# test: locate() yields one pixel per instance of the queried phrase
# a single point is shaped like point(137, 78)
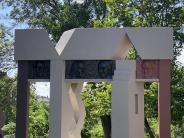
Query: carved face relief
point(39, 69)
point(90, 69)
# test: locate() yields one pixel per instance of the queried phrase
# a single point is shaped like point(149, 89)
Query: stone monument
point(83, 55)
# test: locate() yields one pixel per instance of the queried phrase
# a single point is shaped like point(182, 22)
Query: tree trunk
point(106, 124)
point(148, 129)
point(2, 121)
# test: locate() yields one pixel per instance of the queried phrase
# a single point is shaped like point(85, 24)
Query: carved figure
point(77, 69)
point(90, 69)
point(106, 69)
point(79, 113)
point(39, 70)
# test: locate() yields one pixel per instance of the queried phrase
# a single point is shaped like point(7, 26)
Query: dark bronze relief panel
point(39, 69)
point(90, 69)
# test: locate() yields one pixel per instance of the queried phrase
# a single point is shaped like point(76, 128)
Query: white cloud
point(80, 1)
point(43, 88)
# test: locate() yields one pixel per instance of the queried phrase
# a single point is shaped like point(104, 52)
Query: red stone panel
point(147, 69)
point(164, 97)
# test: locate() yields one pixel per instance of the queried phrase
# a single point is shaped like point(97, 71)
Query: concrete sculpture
point(78, 111)
point(95, 55)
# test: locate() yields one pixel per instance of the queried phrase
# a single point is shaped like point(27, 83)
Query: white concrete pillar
point(127, 97)
point(57, 87)
point(136, 109)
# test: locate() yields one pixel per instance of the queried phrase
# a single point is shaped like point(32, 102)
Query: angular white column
point(120, 111)
point(126, 123)
point(136, 109)
point(57, 88)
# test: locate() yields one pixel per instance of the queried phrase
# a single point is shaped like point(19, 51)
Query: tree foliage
point(38, 117)
point(52, 15)
point(97, 100)
point(38, 111)
point(8, 97)
point(6, 49)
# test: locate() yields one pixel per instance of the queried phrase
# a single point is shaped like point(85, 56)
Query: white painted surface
point(152, 42)
point(125, 123)
point(90, 43)
point(63, 41)
point(136, 121)
point(57, 88)
point(120, 115)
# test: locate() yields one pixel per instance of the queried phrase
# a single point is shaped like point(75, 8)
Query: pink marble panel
point(147, 69)
point(164, 96)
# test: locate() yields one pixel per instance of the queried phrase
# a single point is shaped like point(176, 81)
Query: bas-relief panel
point(147, 69)
point(90, 69)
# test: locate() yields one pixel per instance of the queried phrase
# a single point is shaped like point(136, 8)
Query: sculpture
point(94, 55)
point(79, 113)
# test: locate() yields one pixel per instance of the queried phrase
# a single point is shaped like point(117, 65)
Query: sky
point(42, 88)
point(181, 57)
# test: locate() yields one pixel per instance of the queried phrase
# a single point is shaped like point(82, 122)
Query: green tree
point(57, 17)
point(38, 109)
point(52, 15)
point(38, 116)
point(8, 97)
point(6, 49)
point(97, 100)
point(7, 85)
